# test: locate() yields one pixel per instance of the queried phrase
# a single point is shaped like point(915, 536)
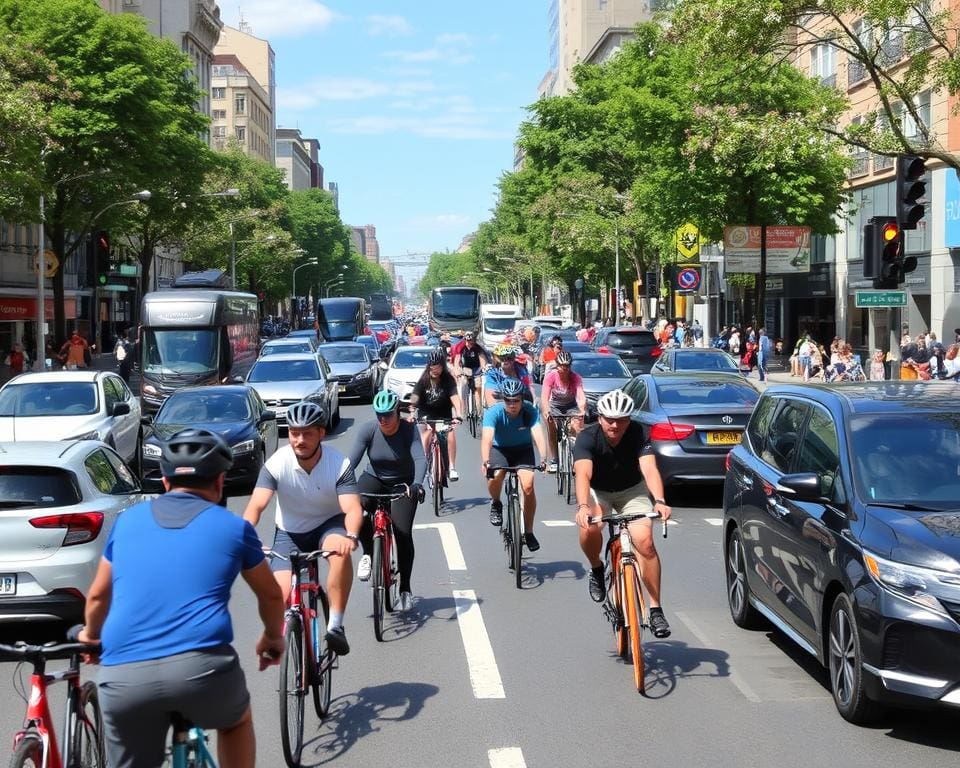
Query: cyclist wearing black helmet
point(159, 605)
point(318, 507)
point(435, 395)
point(469, 355)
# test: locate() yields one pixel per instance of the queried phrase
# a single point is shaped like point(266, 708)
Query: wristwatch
point(354, 538)
point(660, 501)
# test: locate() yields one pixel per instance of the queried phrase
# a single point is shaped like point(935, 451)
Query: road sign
point(51, 263)
point(881, 299)
point(688, 242)
point(688, 279)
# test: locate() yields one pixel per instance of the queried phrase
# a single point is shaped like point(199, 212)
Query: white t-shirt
point(306, 501)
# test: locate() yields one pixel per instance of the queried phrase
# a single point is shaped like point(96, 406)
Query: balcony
point(861, 166)
point(829, 81)
point(856, 73)
point(882, 163)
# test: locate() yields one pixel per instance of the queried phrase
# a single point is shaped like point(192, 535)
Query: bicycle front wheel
point(292, 689)
point(516, 541)
point(437, 475)
point(378, 587)
point(634, 605)
point(29, 752)
point(83, 744)
point(620, 626)
point(322, 665)
point(568, 469)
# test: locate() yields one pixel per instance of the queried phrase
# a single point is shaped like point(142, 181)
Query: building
point(358, 239)
point(240, 109)
point(316, 170)
point(293, 158)
point(465, 242)
point(334, 190)
point(371, 246)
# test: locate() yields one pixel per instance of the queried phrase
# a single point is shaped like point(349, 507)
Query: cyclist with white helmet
point(510, 430)
point(505, 366)
point(318, 507)
point(562, 394)
point(616, 470)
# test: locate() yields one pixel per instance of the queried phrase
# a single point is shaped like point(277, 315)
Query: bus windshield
point(456, 303)
point(183, 350)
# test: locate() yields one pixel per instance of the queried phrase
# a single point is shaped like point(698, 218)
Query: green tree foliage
point(316, 227)
point(450, 269)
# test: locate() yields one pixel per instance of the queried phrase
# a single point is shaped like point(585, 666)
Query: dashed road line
point(506, 757)
point(484, 675)
point(717, 521)
point(450, 543)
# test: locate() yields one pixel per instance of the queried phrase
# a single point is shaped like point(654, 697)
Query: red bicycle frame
point(38, 716)
point(383, 529)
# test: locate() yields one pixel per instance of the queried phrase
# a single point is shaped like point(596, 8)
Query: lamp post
point(330, 283)
point(233, 254)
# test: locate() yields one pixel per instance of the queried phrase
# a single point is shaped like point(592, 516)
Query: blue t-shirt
point(511, 433)
point(495, 378)
point(174, 561)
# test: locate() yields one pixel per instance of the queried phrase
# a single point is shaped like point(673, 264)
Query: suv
point(637, 347)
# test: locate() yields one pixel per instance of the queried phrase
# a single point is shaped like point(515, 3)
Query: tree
point(316, 227)
point(449, 269)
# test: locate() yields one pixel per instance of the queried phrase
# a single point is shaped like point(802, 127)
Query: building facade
point(293, 158)
point(240, 109)
point(371, 245)
point(259, 62)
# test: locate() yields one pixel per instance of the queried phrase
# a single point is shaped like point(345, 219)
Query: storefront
point(802, 303)
point(18, 316)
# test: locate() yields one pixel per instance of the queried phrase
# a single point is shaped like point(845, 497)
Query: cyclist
point(318, 507)
point(395, 457)
point(505, 367)
point(470, 355)
point(510, 430)
point(159, 605)
point(549, 353)
point(561, 394)
point(616, 469)
point(435, 396)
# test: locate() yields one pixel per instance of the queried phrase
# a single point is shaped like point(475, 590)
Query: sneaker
point(496, 513)
point(364, 567)
point(658, 623)
point(406, 601)
point(531, 541)
point(453, 474)
point(552, 466)
point(337, 641)
point(598, 590)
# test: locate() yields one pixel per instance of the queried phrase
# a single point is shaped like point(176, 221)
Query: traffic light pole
point(895, 318)
point(40, 363)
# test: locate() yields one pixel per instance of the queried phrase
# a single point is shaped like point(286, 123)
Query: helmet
point(511, 388)
point(615, 404)
point(564, 358)
point(437, 357)
point(505, 350)
point(305, 414)
point(385, 402)
point(194, 452)
point(469, 336)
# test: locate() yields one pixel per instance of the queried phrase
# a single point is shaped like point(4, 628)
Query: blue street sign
point(951, 210)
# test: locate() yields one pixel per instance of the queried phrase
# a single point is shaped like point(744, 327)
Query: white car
point(406, 366)
point(72, 405)
point(287, 345)
point(58, 502)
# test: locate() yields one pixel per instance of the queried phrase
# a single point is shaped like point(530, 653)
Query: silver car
point(282, 380)
point(58, 502)
point(287, 346)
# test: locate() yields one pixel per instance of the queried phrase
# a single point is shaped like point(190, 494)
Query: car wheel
point(738, 591)
point(845, 662)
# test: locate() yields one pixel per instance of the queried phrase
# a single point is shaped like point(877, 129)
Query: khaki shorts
point(632, 501)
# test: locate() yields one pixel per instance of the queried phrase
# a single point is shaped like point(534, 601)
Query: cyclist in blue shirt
point(159, 607)
point(510, 430)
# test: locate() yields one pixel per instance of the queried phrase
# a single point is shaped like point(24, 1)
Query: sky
point(415, 103)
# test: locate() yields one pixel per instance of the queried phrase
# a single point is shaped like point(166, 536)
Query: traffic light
point(261, 296)
point(911, 188)
point(885, 249)
point(650, 284)
point(101, 256)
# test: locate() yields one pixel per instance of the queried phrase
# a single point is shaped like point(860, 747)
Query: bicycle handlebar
point(517, 468)
point(315, 555)
point(389, 496)
point(24, 651)
point(615, 517)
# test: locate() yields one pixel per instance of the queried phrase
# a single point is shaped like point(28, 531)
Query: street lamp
point(327, 285)
point(233, 254)
point(338, 284)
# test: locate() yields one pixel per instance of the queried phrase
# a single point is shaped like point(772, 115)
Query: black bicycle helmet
point(305, 414)
point(437, 357)
point(194, 452)
point(564, 358)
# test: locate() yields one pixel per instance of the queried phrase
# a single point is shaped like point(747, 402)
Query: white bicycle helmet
point(615, 404)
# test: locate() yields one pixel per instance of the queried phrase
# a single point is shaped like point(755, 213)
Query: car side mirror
point(382, 365)
point(801, 486)
point(267, 416)
point(120, 409)
point(147, 420)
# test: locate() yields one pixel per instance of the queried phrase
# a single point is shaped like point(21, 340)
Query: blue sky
point(415, 104)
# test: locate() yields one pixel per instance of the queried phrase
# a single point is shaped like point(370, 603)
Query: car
point(72, 405)
point(550, 322)
point(235, 412)
point(841, 527)
point(600, 374)
point(288, 345)
point(59, 500)
point(638, 347)
point(406, 366)
point(303, 333)
point(373, 346)
point(352, 367)
point(683, 359)
point(692, 421)
point(573, 347)
point(282, 380)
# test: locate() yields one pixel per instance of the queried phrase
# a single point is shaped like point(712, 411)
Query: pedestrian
point(697, 333)
point(805, 355)
point(956, 335)
point(17, 360)
point(124, 354)
point(764, 350)
point(877, 370)
point(75, 352)
point(734, 342)
point(951, 362)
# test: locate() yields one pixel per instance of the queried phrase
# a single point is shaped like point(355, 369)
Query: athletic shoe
point(496, 513)
point(531, 541)
point(453, 474)
point(337, 641)
point(552, 466)
point(658, 623)
point(406, 601)
point(598, 590)
point(363, 568)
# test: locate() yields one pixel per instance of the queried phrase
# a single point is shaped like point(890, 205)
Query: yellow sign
point(51, 263)
point(688, 242)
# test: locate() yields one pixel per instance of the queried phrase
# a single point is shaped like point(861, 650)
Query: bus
point(454, 308)
point(195, 335)
point(341, 318)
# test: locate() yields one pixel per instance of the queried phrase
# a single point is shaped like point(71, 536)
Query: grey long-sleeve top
point(395, 459)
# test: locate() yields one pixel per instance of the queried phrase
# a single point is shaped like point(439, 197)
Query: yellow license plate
point(724, 438)
point(342, 389)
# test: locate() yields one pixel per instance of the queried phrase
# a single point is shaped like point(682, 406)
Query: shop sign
point(13, 308)
point(788, 249)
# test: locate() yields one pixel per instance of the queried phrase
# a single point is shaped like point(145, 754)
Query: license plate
point(342, 388)
point(724, 438)
point(8, 583)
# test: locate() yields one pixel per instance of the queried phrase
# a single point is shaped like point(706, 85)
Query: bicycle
point(472, 414)
point(306, 661)
point(188, 745)
point(565, 454)
point(438, 459)
point(35, 744)
point(623, 605)
point(512, 529)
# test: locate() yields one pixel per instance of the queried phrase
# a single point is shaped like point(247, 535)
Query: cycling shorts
point(512, 457)
point(634, 500)
point(564, 409)
point(285, 542)
point(206, 687)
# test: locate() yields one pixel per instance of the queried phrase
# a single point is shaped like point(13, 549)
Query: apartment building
point(371, 244)
point(293, 158)
point(240, 109)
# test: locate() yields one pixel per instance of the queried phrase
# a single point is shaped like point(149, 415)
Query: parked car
point(683, 359)
point(236, 413)
point(58, 502)
point(282, 380)
point(638, 347)
point(404, 368)
point(692, 420)
point(288, 345)
point(72, 405)
point(600, 374)
point(842, 528)
point(355, 371)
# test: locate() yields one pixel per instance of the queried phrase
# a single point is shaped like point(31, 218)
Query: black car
point(681, 359)
point(638, 347)
point(692, 421)
point(234, 412)
point(353, 368)
point(842, 528)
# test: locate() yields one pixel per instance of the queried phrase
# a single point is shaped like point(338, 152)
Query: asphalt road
point(482, 675)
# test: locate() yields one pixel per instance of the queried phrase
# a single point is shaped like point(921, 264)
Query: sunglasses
point(512, 400)
point(620, 420)
point(386, 416)
point(558, 343)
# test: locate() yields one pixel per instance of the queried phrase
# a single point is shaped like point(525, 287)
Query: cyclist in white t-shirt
point(318, 507)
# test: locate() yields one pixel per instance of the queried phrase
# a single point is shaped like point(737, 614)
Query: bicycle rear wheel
point(378, 586)
point(322, 666)
point(634, 605)
point(568, 469)
point(83, 744)
point(292, 689)
point(29, 752)
point(516, 540)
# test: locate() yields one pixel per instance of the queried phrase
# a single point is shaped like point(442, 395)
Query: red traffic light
point(261, 295)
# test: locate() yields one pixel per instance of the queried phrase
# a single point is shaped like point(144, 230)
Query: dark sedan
point(600, 374)
point(353, 368)
point(638, 347)
point(842, 528)
point(682, 359)
point(236, 413)
point(692, 420)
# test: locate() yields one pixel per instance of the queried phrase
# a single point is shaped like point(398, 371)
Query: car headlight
point(924, 586)
point(363, 374)
point(152, 451)
point(92, 435)
point(150, 390)
point(245, 447)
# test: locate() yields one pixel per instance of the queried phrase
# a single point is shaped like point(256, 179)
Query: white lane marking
point(558, 523)
point(484, 675)
point(450, 543)
point(506, 757)
point(718, 521)
point(734, 676)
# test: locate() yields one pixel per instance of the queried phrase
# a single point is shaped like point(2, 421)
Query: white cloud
point(394, 26)
point(447, 48)
point(280, 18)
point(322, 89)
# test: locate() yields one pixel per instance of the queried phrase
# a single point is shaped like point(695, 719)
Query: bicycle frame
point(186, 738)
point(512, 530)
point(306, 615)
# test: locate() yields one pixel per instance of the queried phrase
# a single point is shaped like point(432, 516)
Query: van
point(340, 318)
point(496, 322)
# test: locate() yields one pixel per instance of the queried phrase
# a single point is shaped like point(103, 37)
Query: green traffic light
point(102, 279)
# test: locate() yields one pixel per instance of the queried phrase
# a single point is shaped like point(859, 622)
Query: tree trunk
point(58, 240)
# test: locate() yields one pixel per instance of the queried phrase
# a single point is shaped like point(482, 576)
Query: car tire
point(845, 664)
point(335, 419)
point(744, 615)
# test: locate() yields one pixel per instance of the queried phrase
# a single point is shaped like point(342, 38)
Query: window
point(219, 93)
point(757, 428)
point(820, 451)
point(783, 437)
point(241, 133)
point(101, 472)
point(240, 104)
point(111, 394)
point(126, 482)
point(823, 63)
point(219, 114)
point(911, 128)
point(219, 131)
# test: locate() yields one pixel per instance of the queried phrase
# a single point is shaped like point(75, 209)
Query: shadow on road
point(670, 660)
point(452, 506)
point(345, 423)
point(359, 714)
point(535, 574)
point(401, 625)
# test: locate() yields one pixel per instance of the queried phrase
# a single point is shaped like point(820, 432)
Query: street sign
point(51, 263)
point(688, 279)
point(688, 242)
point(116, 288)
point(788, 249)
point(865, 299)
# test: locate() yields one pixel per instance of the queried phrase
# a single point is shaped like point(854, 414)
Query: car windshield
point(49, 398)
point(412, 358)
point(498, 324)
point(284, 370)
point(25, 487)
point(344, 354)
point(704, 361)
point(601, 368)
point(907, 457)
point(705, 393)
point(285, 349)
point(191, 407)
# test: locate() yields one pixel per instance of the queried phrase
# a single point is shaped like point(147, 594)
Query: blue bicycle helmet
point(385, 402)
point(511, 388)
point(194, 452)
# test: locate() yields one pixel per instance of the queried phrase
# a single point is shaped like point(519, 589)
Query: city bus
point(454, 308)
